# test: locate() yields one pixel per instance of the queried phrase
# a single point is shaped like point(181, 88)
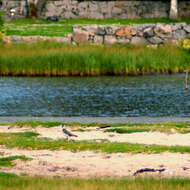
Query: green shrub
point(1, 21)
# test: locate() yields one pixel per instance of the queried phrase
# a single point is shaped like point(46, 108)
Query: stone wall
point(144, 34)
point(100, 9)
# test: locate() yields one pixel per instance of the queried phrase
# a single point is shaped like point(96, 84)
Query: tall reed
point(55, 59)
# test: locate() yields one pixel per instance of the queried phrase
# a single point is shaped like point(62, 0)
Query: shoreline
point(104, 120)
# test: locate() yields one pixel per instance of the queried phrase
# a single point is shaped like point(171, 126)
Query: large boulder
point(110, 40)
point(98, 39)
point(123, 41)
point(124, 31)
point(91, 28)
point(80, 36)
point(163, 31)
point(111, 30)
point(100, 31)
point(179, 34)
point(187, 28)
point(148, 32)
point(178, 26)
point(139, 41)
point(155, 40)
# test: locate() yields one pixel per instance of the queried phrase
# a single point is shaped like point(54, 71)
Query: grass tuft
point(7, 161)
point(123, 130)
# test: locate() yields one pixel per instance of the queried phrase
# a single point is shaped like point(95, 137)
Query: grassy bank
point(42, 27)
point(11, 181)
point(55, 59)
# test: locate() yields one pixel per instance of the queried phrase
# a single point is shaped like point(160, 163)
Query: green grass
point(30, 140)
point(7, 161)
point(178, 127)
point(56, 59)
point(49, 124)
point(11, 181)
point(42, 27)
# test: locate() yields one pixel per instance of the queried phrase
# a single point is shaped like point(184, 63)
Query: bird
point(67, 133)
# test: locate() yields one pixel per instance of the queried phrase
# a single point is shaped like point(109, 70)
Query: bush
point(1, 21)
point(2, 31)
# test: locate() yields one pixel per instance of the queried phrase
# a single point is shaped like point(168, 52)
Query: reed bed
point(55, 59)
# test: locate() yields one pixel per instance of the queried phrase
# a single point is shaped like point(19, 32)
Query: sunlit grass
point(42, 27)
point(11, 181)
point(56, 59)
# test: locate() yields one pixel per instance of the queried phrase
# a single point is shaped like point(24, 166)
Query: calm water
point(94, 96)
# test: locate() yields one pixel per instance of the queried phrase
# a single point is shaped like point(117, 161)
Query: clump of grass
point(55, 59)
point(123, 130)
point(7, 161)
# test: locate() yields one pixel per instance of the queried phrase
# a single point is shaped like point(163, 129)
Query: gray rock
point(98, 39)
point(110, 30)
point(100, 31)
point(163, 31)
point(143, 26)
point(155, 40)
point(187, 28)
point(91, 29)
point(110, 40)
point(137, 32)
point(123, 41)
point(188, 36)
point(139, 41)
point(179, 34)
point(80, 36)
point(96, 14)
point(148, 32)
point(116, 11)
point(178, 26)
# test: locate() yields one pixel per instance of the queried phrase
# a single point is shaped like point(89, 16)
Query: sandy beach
point(86, 164)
